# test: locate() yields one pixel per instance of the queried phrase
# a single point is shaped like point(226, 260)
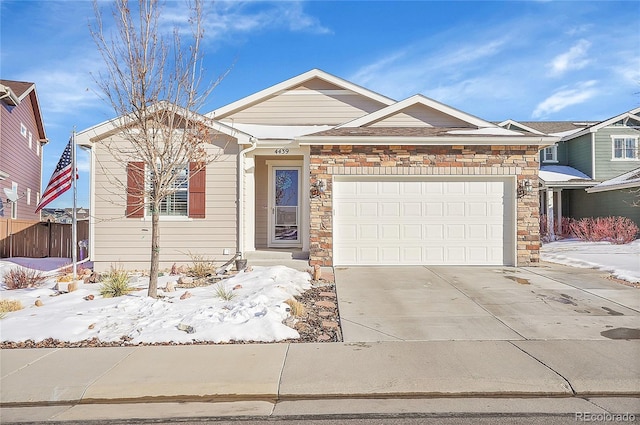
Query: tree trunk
point(155, 253)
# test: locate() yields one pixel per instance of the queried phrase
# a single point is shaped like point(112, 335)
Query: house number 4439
point(281, 151)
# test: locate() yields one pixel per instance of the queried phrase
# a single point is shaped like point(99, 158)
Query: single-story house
point(324, 167)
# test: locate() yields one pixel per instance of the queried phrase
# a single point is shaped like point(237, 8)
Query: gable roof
point(14, 92)
point(556, 128)
point(632, 114)
point(422, 101)
point(274, 90)
point(100, 131)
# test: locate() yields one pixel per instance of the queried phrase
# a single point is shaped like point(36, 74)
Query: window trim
point(147, 214)
point(554, 154)
point(624, 137)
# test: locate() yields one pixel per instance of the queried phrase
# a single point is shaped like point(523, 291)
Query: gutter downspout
point(240, 200)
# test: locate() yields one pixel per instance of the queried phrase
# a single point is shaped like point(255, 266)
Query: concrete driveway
point(429, 303)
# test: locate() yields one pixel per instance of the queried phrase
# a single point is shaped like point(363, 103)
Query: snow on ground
point(622, 261)
point(254, 314)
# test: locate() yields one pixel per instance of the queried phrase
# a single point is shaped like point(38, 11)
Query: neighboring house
point(64, 215)
point(22, 138)
point(322, 166)
point(592, 171)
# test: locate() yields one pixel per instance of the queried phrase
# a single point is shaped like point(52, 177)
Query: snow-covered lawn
point(255, 313)
point(622, 261)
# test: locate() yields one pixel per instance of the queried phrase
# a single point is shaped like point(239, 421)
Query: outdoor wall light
point(317, 188)
point(524, 188)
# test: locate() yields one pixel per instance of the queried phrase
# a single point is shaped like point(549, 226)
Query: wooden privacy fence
point(38, 239)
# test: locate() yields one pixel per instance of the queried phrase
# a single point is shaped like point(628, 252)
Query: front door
point(284, 196)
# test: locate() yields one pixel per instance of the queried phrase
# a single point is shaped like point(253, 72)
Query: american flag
point(60, 180)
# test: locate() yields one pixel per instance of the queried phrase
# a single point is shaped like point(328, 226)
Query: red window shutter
point(197, 190)
point(135, 189)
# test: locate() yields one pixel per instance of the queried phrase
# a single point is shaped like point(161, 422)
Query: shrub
point(617, 230)
point(21, 278)
point(297, 308)
point(562, 229)
point(201, 266)
point(115, 283)
point(7, 306)
point(223, 293)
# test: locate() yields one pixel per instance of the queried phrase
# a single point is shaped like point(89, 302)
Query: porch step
point(301, 265)
point(276, 254)
point(296, 259)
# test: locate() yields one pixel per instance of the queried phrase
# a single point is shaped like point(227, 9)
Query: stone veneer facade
point(329, 161)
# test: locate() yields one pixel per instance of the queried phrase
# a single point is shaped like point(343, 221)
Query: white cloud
point(565, 97)
point(231, 18)
point(574, 58)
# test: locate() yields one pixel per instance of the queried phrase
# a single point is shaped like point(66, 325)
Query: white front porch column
point(559, 210)
point(550, 212)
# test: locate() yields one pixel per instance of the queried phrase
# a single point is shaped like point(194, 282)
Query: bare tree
point(154, 82)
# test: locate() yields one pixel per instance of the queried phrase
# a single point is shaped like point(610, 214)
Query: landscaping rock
point(185, 280)
point(171, 287)
point(39, 303)
point(328, 294)
point(317, 272)
point(187, 328)
point(237, 287)
point(329, 325)
point(89, 297)
point(325, 304)
point(186, 295)
point(92, 278)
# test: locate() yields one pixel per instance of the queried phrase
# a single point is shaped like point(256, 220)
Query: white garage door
point(404, 220)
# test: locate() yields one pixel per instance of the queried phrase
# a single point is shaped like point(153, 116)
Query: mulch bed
point(320, 323)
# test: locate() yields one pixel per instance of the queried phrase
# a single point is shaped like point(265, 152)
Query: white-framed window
point(625, 148)
point(176, 204)
point(550, 154)
point(23, 130)
point(30, 140)
point(37, 198)
point(28, 196)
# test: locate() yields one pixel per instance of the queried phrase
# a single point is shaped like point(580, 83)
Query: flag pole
point(74, 222)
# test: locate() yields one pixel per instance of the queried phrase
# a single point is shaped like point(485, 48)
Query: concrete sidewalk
point(60, 384)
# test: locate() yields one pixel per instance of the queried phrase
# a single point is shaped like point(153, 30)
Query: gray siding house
point(593, 171)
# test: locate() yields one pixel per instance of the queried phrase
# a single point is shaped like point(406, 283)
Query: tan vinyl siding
point(127, 241)
point(606, 166)
point(324, 105)
point(417, 116)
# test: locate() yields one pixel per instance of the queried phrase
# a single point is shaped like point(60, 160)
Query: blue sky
point(542, 60)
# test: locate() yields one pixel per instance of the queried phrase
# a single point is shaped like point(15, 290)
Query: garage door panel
point(390, 209)
point(390, 232)
point(367, 188)
point(367, 209)
point(477, 231)
point(455, 208)
point(433, 209)
point(455, 231)
point(422, 221)
point(411, 209)
point(477, 209)
point(434, 232)
point(412, 232)
point(368, 232)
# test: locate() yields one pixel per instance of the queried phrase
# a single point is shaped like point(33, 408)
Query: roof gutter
point(607, 188)
point(7, 94)
point(435, 141)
